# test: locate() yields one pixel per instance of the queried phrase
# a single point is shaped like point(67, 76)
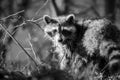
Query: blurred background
point(30, 36)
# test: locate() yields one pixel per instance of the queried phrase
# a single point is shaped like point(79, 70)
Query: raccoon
point(96, 40)
point(62, 31)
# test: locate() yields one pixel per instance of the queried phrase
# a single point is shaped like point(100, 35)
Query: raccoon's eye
point(66, 32)
point(54, 31)
point(49, 33)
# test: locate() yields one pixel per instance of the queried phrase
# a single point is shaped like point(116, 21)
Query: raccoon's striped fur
point(87, 40)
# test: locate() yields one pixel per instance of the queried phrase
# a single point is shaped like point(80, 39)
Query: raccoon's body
point(88, 40)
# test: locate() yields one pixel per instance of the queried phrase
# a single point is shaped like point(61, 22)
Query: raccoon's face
point(60, 29)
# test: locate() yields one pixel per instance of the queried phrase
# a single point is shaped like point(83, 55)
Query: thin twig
point(31, 46)
point(105, 67)
point(27, 49)
point(37, 20)
point(95, 11)
point(40, 9)
point(12, 15)
point(34, 22)
point(83, 11)
point(4, 38)
point(94, 5)
point(3, 27)
point(25, 66)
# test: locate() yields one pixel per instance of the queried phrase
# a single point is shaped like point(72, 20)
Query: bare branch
point(3, 27)
point(31, 46)
point(40, 9)
point(27, 49)
point(95, 12)
point(84, 11)
point(94, 7)
point(12, 15)
point(35, 22)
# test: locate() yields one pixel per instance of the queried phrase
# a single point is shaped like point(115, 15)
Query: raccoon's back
point(102, 38)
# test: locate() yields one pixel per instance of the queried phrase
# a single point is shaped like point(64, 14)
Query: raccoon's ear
point(48, 19)
point(70, 18)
